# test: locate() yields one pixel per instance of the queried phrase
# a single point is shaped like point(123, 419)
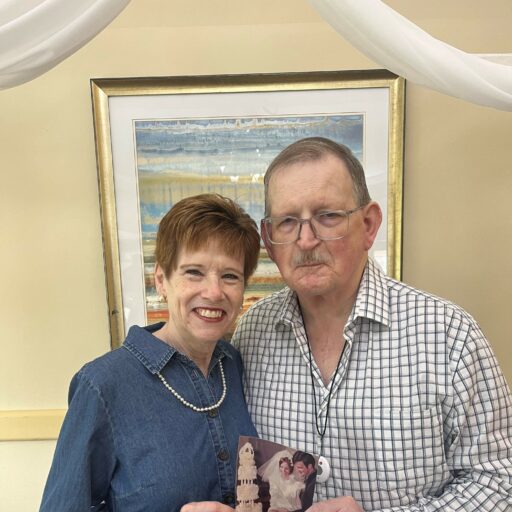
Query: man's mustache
point(308, 258)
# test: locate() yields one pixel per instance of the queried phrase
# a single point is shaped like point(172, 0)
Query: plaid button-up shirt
point(420, 417)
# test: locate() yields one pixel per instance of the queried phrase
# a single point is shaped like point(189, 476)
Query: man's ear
point(372, 221)
point(266, 241)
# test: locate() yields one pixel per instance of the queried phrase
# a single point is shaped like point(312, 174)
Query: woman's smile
point(210, 313)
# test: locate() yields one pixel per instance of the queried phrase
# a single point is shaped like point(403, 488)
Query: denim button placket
point(229, 499)
point(223, 454)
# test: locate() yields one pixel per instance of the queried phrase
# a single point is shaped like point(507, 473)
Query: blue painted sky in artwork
point(228, 142)
point(229, 147)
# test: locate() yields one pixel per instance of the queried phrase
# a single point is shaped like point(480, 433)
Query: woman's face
point(284, 468)
point(204, 295)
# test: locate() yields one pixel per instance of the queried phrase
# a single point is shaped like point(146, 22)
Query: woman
point(284, 488)
point(155, 424)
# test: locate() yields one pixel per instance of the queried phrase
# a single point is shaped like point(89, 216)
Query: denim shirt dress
point(127, 444)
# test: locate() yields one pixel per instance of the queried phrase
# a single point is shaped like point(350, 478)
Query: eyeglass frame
point(348, 213)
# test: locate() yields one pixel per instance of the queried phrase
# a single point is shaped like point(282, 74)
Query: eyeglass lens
point(326, 226)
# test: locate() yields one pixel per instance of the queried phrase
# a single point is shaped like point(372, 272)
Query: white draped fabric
point(395, 43)
point(35, 35)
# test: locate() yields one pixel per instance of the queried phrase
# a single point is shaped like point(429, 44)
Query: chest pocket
point(410, 457)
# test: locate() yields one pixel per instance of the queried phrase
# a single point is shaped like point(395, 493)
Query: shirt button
point(228, 499)
point(213, 413)
point(223, 454)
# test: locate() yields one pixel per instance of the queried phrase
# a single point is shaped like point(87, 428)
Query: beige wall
point(458, 178)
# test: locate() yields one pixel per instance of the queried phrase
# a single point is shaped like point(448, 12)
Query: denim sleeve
point(84, 459)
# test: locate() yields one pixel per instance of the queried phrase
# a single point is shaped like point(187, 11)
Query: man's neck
point(324, 309)
point(325, 338)
point(325, 317)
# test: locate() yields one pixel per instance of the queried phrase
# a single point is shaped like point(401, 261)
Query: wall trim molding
point(31, 425)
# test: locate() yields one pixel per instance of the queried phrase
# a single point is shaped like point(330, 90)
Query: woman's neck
point(201, 356)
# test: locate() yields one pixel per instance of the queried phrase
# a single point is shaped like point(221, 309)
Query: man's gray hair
point(316, 148)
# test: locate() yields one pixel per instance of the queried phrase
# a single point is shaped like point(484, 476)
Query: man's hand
point(342, 504)
point(206, 506)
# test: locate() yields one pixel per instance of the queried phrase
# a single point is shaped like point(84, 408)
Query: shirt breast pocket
point(410, 457)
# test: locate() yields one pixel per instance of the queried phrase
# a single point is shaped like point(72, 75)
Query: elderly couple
point(397, 390)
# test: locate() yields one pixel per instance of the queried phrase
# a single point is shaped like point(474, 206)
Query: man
point(398, 390)
point(304, 470)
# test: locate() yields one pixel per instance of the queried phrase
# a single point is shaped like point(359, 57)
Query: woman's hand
point(206, 506)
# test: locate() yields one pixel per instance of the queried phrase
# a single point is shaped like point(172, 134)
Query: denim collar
point(153, 353)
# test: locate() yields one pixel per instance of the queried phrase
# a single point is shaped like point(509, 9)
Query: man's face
point(311, 266)
point(301, 471)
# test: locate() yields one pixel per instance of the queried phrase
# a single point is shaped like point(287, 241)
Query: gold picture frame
point(370, 103)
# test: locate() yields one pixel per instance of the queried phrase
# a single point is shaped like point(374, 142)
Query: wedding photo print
point(273, 478)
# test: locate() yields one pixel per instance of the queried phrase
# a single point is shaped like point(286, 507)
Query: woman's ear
point(372, 221)
point(159, 279)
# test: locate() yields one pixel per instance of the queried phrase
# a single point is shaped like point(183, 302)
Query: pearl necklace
point(192, 406)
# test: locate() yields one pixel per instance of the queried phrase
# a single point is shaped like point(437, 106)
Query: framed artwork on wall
point(161, 139)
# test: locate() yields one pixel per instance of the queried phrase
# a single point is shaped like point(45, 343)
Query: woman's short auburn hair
point(195, 221)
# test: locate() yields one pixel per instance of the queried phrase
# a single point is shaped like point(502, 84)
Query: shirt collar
point(372, 297)
point(371, 301)
point(290, 312)
point(153, 353)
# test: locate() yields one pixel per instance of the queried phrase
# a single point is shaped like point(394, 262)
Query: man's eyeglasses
point(328, 225)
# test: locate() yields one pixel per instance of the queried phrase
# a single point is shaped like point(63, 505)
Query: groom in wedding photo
point(304, 469)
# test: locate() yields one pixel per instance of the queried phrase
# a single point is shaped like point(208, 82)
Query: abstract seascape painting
point(160, 139)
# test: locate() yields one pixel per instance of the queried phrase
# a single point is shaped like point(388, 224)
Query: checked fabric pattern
point(420, 416)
